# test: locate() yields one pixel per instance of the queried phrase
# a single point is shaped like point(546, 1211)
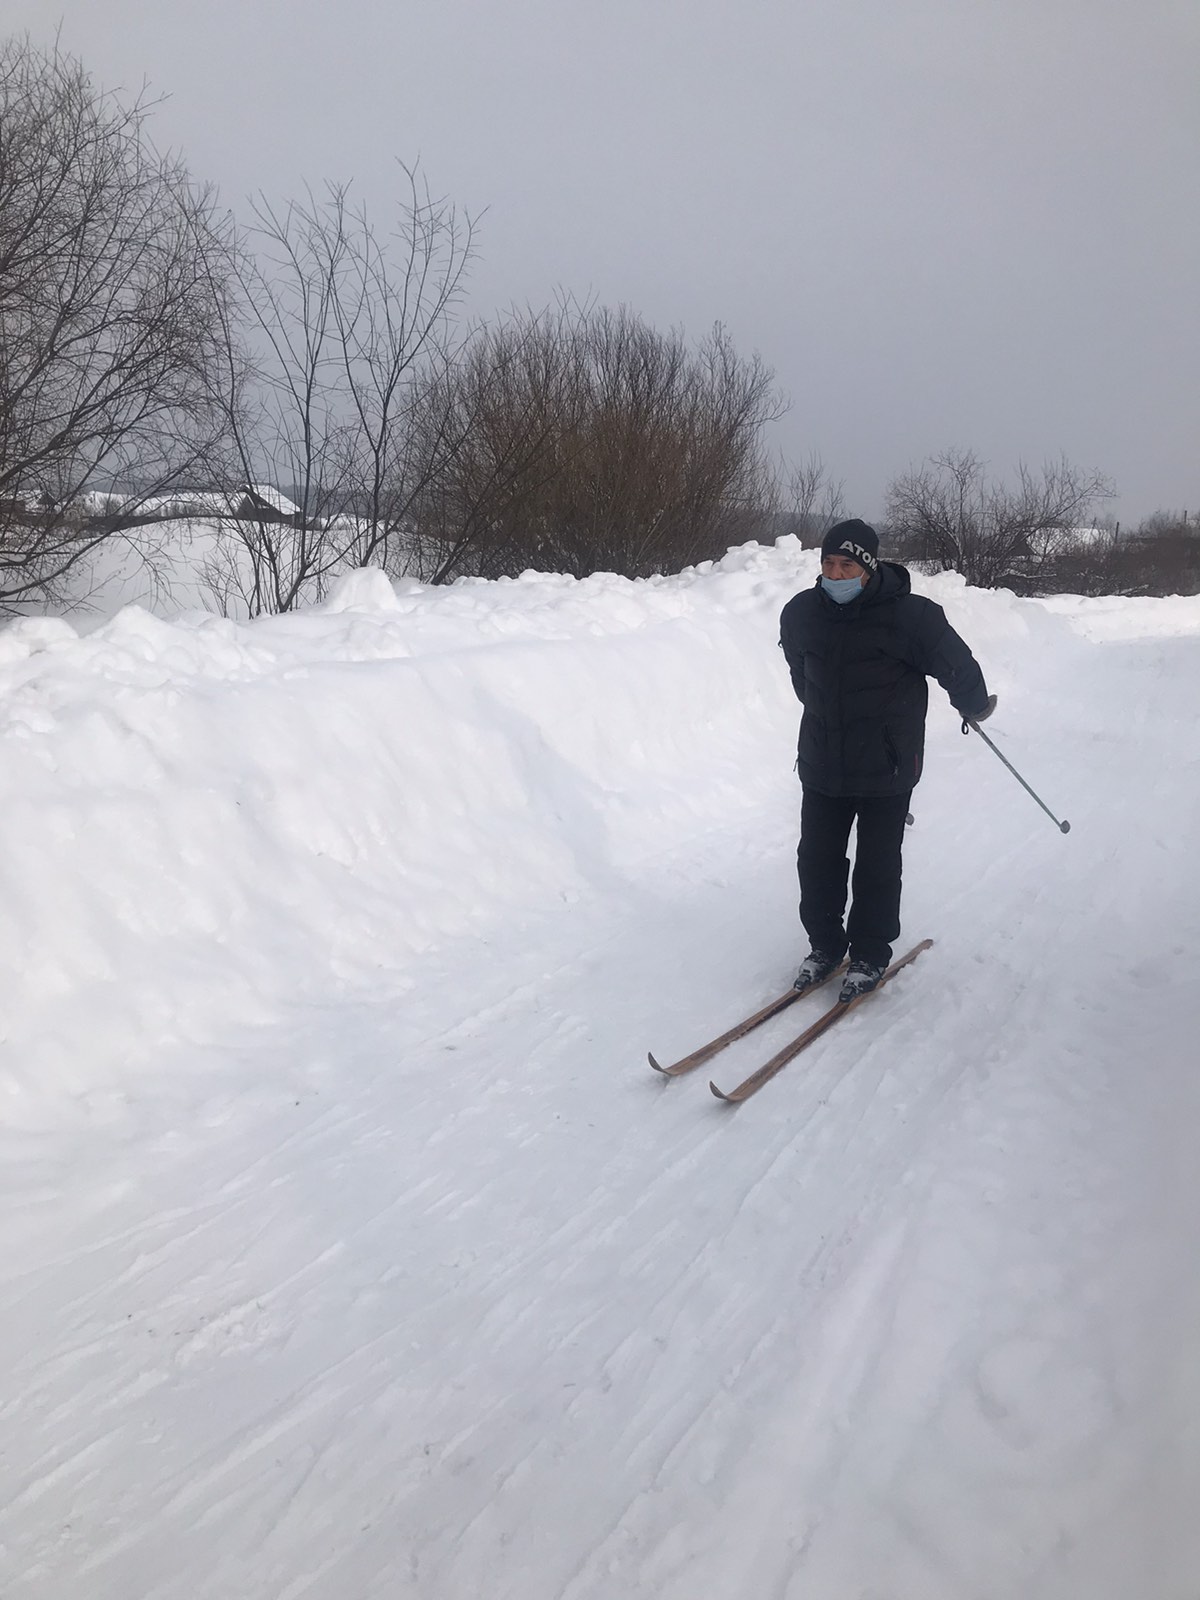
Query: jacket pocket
point(893, 755)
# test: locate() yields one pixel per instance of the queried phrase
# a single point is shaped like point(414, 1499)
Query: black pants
point(825, 823)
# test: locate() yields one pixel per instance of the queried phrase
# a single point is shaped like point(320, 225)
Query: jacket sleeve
point(793, 654)
point(943, 655)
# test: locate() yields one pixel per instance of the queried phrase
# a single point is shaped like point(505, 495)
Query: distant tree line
point(1036, 535)
point(1160, 557)
point(150, 345)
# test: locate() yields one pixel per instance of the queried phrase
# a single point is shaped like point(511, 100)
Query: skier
point(859, 645)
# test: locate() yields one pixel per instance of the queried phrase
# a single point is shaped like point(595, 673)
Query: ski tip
point(720, 1094)
point(655, 1065)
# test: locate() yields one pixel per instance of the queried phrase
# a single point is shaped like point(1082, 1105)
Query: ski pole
point(969, 722)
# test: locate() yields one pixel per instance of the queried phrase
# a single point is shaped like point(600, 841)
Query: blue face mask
point(843, 590)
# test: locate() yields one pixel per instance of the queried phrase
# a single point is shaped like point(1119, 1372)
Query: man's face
point(835, 566)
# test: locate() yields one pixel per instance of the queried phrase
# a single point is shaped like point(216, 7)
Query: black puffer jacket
point(860, 671)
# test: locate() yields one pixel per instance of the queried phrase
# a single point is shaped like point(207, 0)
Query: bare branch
point(952, 516)
point(109, 309)
point(348, 327)
point(583, 440)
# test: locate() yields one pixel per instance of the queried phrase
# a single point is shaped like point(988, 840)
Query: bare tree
point(592, 442)
point(345, 327)
point(1161, 557)
point(491, 423)
point(950, 514)
point(816, 502)
point(109, 311)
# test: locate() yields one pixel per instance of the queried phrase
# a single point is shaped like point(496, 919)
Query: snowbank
point(299, 802)
point(198, 807)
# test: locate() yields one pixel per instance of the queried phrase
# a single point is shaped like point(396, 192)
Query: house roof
point(218, 502)
point(273, 498)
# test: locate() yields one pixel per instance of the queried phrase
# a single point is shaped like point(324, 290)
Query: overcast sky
point(942, 222)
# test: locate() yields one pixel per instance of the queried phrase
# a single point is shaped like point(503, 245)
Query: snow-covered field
point(350, 1249)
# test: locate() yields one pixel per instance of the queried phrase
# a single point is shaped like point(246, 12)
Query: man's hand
point(982, 716)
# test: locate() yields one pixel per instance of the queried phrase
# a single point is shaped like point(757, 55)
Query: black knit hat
point(855, 539)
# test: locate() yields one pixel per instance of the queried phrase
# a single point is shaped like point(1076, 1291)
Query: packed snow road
point(351, 1247)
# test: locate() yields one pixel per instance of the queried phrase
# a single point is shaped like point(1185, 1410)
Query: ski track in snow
point(442, 1293)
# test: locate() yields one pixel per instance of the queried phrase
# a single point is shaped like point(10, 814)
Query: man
point(859, 646)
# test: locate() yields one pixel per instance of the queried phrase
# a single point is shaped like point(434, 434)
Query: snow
point(1113, 618)
point(184, 503)
point(350, 1247)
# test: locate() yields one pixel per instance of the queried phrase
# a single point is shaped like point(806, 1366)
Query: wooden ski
point(739, 1031)
point(822, 1025)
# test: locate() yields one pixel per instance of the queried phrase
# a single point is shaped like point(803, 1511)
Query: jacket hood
point(890, 581)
